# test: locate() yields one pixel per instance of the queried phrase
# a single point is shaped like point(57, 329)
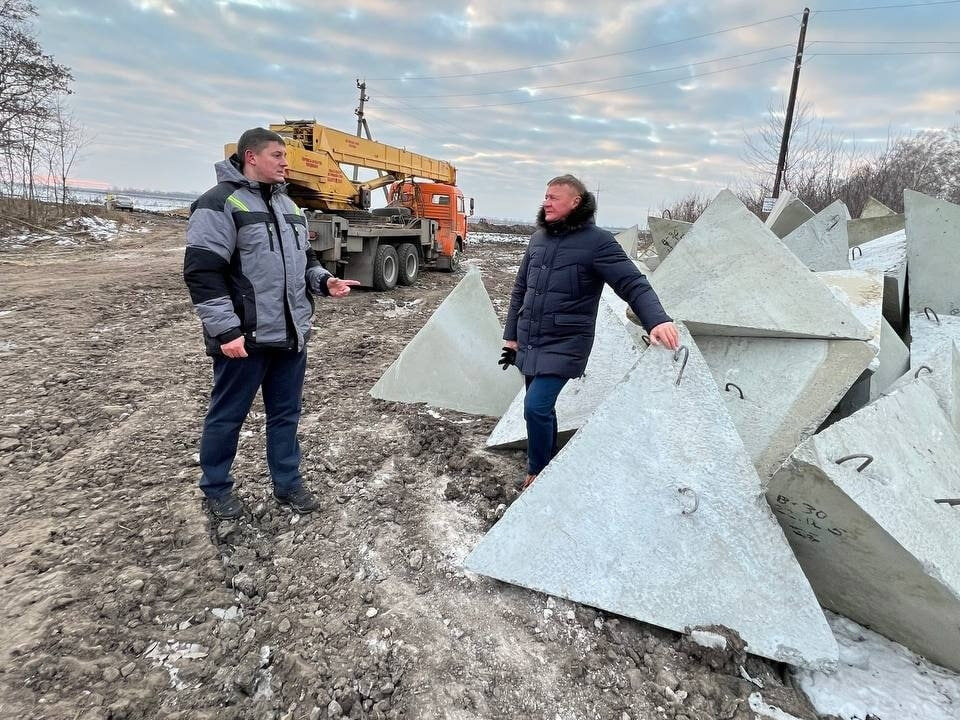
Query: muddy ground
point(120, 599)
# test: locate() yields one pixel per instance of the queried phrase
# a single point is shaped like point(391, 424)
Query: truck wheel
point(385, 266)
point(409, 264)
point(457, 256)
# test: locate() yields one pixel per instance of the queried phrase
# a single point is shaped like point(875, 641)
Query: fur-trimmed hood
point(581, 216)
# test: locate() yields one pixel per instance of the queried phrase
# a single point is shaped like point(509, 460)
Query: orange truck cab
point(442, 203)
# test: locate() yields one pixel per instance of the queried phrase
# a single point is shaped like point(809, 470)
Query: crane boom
point(315, 153)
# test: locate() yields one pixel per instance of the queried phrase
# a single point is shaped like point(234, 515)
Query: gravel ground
point(120, 599)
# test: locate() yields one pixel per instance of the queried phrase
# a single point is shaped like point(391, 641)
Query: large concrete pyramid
point(615, 352)
point(933, 252)
point(874, 208)
point(887, 254)
point(666, 233)
point(866, 229)
point(789, 388)
point(821, 242)
point(452, 361)
point(628, 241)
point(732, 276)
point(789, 213)
point(653, 510)
point(857, 502)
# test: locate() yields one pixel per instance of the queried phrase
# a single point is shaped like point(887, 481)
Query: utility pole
point(788, 120)
point(362, 126)
point(361, 121)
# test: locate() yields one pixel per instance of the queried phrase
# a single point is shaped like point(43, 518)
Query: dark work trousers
point(279, 373)
point(539, 410)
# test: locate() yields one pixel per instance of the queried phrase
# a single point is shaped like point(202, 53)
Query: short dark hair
point(255, 139)
point(571, 181)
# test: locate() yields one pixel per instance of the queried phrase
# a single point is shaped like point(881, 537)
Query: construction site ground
point(119, 598)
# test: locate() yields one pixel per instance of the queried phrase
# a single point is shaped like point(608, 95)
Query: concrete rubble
point(821, 242)
point(789, 213)
point(933, 252)
point(752, 285)
point(677, 534)
point(451, 362)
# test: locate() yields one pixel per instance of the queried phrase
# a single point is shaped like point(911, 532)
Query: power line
point(592, 57)
point(890, 54)
point(887, 7)
point(587, 82)
point(601, 92)
point(885, 42)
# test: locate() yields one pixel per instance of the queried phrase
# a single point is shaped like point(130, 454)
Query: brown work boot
point(528, 481)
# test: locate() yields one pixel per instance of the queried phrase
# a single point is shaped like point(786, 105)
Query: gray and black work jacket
point(249, 265)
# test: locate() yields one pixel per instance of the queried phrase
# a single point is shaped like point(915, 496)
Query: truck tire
point(457, 258)
point(385, 268)
point(408, 264)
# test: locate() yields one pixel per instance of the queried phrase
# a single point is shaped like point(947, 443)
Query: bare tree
point(66, 140)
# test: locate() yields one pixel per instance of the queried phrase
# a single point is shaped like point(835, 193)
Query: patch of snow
point(879, 677)
point(166, 656)
point(497, 238)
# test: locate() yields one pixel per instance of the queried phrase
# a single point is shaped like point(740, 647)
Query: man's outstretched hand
point(340, 288)
point(665, 334)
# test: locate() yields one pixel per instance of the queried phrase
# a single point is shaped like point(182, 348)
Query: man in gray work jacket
point(252, 276)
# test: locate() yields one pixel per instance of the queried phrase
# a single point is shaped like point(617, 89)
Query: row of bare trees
point(40, 139)
point(823, 167)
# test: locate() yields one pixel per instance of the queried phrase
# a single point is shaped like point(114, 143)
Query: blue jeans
point(539, 410)
point(279, 373)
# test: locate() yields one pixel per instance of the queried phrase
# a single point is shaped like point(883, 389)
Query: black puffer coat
point(553, 306)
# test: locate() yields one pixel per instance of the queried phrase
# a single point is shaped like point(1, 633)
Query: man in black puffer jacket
point(553, 307)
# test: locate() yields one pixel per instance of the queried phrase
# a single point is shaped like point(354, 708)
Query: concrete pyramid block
point(789, 213)
point(731, 276)
point(933, 252)
point(789, 388)
point(874, 208)
point(452, 361)
point(862, 292)
point(887, 254)
point(628, 240)
point(867, 229)
point(654, 511)
point(874, 544)
point(940, 369)
point(615, 352)
point(821, 242)
point(666, 234)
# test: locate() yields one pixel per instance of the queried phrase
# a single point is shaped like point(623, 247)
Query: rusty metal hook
point(928, 310)
point(696, 499)
point(726, 388)
point(666, 214)
point(952, 502)
point(853, 252)
point(922, 367)
point(686, 356)
point(867, 460)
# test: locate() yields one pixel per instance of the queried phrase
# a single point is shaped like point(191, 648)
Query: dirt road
point(119, 599)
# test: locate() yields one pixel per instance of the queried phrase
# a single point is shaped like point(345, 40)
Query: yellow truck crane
point(425, 222)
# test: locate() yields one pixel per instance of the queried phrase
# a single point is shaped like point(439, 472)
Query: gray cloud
point(163, 84)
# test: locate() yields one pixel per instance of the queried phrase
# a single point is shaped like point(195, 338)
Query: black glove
point(508, 358)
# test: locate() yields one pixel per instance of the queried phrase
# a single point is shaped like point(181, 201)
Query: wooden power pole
point(788, 120)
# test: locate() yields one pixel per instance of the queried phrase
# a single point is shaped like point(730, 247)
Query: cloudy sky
point(646, 101)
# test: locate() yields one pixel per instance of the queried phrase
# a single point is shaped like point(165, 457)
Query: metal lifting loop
point(646, 339)
point(867, 460)
point(922, 367)
point(696, 500)
point(928, 310)
point(686, 356)
point(666, 214)
point(952, 502)
point(729, 385)
point(853, 251)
